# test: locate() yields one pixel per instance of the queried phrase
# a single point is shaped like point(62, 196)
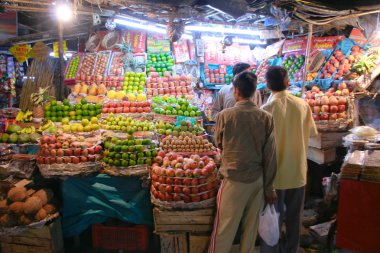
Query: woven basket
point(110, 40)
point(93, 42)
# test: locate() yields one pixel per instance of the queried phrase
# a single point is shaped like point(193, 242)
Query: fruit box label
point(323, 43)
point(294, 45)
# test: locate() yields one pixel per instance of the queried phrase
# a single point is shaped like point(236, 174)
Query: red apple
point(341, 108)
point(325, 108)
point(334, 109)
point(317, 109)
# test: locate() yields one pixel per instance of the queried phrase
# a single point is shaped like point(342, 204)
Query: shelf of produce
point(72, 69)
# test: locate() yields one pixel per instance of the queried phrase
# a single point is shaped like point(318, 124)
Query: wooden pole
point(61, 88)
point(307, 57)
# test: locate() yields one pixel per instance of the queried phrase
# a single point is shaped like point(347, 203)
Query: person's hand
point(271, 198)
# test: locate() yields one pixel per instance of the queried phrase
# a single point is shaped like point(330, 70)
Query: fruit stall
point(133, 136)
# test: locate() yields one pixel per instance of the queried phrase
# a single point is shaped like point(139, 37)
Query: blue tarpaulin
point(94, 199)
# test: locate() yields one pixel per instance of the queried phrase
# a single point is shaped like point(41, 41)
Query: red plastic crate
point(133, 238)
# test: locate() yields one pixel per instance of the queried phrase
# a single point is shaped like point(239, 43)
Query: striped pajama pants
point(237, 202)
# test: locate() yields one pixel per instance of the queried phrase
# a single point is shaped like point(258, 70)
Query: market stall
point(133, 137)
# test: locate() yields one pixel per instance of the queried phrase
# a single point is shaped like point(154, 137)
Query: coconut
point(25, 220)
point(41, 214)
point(32, 205)
point(8, 220)
point(45, 195)
point(16, 207)
point(50, 208)
point(17, 194)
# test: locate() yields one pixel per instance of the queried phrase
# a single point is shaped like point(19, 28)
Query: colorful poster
point(56, 50)
point(211, 49)
point(20, 52)
point(181, 51)
point(323, 43)
point(233, 54)
point(294, 45)
point(137, 40)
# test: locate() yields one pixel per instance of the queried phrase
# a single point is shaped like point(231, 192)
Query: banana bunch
point(28, 130)
point(46, 125)
point(24, 116)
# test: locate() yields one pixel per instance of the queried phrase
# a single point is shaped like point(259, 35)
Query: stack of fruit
point(127, 107)
point(217, 75)
point(22, 206)
point(187, 142)
point(89, 90)
point(172, 106)
point(116, 67)
point(261, 70)
point(293, 64)
point(102, 63)
point(87, 66)
point(177, 179)
point(339, 65)
point(126, 124)
point(84, 126)
point(72, 69)
point(330, 105)
point(56, 111)
point(168, 85)
point(126, 152)
point(134, 82)
point(67, 149)
point(159, 63)
point(15, 134)
point(185, 126)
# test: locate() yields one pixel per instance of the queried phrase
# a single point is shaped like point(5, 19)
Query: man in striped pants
point(245, 135)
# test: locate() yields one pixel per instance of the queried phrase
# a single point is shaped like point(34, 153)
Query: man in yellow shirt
point(293, 126)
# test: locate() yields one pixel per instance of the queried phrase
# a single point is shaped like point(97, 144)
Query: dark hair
point(240, 67)
point(246, 83)
point(275, 77)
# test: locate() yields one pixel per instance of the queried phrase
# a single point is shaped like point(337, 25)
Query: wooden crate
point(326, 140)
point(321, 156)
point(173, 243)
point(199, 243)
point(183, 221)
point(47, 239)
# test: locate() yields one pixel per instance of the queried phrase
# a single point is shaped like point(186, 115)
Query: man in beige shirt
point(245, 135)
point(226, 99)
point(293, 126)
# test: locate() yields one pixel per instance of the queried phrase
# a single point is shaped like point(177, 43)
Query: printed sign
point(323, 43)
point(181, 51)
point(294, 45)
point(56, 50)
point(137, 40)
point(357, 36)
point(20, 52)
point(235, 53)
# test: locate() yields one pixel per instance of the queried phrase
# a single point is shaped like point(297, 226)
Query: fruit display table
point(358, 216)
point(98, 198)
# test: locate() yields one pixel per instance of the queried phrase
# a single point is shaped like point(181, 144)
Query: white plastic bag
point(268, 225)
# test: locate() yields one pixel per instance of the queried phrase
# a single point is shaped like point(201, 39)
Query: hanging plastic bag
point(268, 225)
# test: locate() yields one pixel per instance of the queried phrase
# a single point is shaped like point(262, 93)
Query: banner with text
point(294, 45)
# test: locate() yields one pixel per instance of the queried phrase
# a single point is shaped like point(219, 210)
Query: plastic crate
point(131, 238)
